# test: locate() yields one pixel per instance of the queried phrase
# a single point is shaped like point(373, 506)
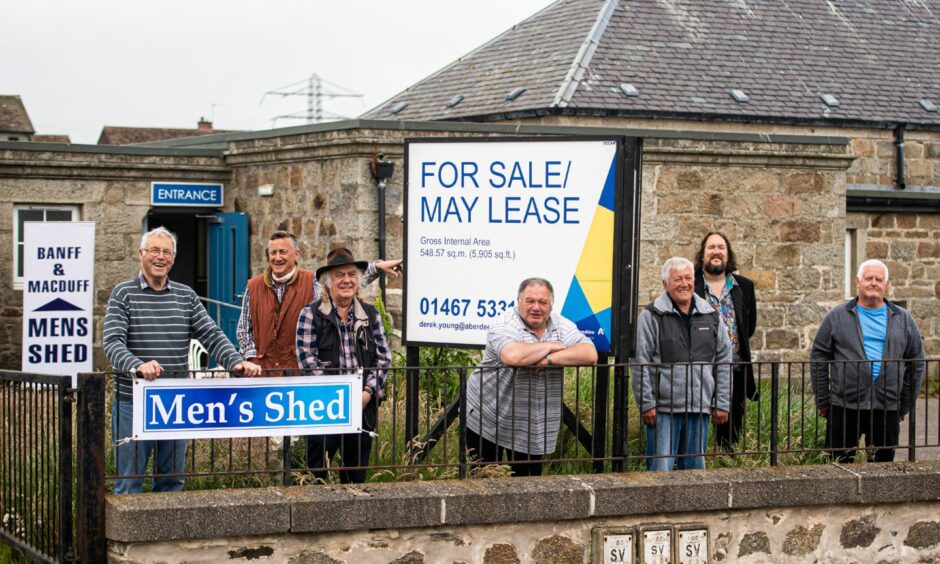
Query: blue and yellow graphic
point(589, 300)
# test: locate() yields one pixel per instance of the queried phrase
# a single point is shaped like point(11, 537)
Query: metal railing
point(36, 465)
point(432, 425)
point(423, 429)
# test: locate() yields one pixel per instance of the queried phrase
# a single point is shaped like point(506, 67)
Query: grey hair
point(281, 234)
point(535, 282)
point(870, 263)
point(326, 279)
point(158, 232)
point(676, 263)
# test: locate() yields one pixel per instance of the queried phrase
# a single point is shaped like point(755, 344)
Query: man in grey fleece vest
point(685, 354)
point(867, 366)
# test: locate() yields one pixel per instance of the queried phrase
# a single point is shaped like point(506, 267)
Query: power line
point(315, 89)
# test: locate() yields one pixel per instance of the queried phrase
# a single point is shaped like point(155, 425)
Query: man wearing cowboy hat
point(342, 333)
point(273, 299)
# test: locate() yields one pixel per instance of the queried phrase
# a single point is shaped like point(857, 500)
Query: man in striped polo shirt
point(147, 329)
point(514, 397)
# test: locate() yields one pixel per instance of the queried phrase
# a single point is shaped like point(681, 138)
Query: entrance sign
point(484, 214)
point(58, 297)
point(186, 194)
point(177, 408)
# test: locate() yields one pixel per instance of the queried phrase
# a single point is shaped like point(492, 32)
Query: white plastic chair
point(197, 353)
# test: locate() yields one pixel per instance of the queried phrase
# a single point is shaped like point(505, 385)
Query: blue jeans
point(677, 434)
point(131, 458)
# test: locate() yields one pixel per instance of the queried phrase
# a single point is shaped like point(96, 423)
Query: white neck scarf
point(284, 278)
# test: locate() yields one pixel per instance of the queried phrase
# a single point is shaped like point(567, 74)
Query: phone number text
point(457, 307)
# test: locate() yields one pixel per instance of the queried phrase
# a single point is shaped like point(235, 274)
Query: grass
point(29, 466)
point(9, 555)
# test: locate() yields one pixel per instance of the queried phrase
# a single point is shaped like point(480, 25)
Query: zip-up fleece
point(849, 384)
point(694, 376)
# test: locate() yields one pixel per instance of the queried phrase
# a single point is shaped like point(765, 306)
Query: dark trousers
point(521, 463)
point(354, 450)
point(845, 426)
point(728, 433)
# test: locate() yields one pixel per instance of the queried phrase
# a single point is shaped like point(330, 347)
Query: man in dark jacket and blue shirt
point(147, 330)
point(733, 296)
point(684, 353)
point(342, 333)
point(867, 366)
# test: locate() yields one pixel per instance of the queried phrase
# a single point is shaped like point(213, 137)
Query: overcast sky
point(81, 65)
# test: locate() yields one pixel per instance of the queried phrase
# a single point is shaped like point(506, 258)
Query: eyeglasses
point(157, 252)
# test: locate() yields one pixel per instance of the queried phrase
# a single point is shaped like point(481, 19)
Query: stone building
point(14, 121)
point(863, 70)
point(15, 124)
point(117, 135)
point(804, 187)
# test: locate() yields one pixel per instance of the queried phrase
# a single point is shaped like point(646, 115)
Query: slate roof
point(52, 138)
point(13, 116)
point(877, 58)
point(113, 135)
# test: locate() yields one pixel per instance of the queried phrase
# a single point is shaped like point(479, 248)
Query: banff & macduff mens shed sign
point(58, 295)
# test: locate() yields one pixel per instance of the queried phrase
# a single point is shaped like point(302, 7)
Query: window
point(39, 212)
point(851, 261)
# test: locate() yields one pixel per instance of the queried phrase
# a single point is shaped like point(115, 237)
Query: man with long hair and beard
point(733, 296)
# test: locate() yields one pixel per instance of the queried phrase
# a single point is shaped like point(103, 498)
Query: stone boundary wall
point(854, 513)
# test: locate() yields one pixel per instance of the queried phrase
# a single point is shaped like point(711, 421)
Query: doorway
point(212, 258)
point(191, 266)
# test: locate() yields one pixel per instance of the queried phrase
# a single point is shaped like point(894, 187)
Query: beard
point(713, 268)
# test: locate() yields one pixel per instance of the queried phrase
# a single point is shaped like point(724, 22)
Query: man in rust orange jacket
point(267, 328)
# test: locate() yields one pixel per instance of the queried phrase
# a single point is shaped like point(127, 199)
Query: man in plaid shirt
point(341, 333)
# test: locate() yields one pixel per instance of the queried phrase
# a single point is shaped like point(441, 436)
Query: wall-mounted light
point(382, 168)
point(266, 190)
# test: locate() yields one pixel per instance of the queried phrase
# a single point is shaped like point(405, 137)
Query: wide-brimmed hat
point(341, 257)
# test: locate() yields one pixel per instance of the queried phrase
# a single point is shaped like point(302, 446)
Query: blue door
point(228, 269)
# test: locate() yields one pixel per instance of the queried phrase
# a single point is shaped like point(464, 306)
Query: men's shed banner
point(177, 408)
point(481, 216)
point(58, 295)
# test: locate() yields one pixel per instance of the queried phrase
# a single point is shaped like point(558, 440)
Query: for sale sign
point(483, 215)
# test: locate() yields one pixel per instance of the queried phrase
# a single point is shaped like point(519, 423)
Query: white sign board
point(692, 546)
point(618, 549)
point(178, 408)
point(58, 297)
point(481, 216)
point(657, 546)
